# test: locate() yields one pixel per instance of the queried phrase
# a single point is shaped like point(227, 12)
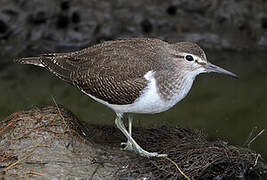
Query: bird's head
point(193, 59)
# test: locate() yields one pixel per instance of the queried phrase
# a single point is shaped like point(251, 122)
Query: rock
point(37, 18)
point(3, 27)
point(95, 21)
point(51, 143)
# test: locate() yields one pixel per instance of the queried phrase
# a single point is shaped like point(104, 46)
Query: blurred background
point(233, 33)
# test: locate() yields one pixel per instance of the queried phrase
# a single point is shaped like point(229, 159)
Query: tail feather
point(30, 60)
point(52, 63)
point(58, 70)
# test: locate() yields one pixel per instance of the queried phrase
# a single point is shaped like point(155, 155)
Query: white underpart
point(150, 101)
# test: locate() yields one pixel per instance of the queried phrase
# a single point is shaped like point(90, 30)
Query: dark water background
point(224, 107)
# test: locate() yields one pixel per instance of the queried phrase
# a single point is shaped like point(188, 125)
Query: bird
point(131, 76)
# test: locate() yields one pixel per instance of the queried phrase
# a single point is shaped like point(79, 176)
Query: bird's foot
point(145, 153)
point(131, 144)
point(137, 149)
point(127, 146)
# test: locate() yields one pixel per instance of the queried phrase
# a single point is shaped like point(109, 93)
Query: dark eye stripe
point(178, 56)
point(201, 63)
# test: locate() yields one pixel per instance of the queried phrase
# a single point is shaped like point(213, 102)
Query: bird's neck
point(174, 87)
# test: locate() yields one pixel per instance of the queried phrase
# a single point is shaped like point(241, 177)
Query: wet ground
point(224, 107)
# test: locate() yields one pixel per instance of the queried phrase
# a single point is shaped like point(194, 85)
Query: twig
point(63, 119)
point(29, 132)
point(256, 161)
point(18, 161)
point(57, 107)
point(186, 177)
point(92, 175)
point(14, 115)
point(250, 135)
point(6, 127)
point(36, 146)
point(34, 173)
point(253, 139)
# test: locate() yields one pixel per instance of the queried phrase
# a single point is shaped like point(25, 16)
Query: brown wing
point(109, 89)
point(112, 71)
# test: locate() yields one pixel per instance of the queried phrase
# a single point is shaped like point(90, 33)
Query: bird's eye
point(189, 58)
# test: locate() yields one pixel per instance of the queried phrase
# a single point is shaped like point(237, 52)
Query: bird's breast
point(156, 97)
point(152, 100)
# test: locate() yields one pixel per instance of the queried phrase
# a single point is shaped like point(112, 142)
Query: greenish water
point(224, 107)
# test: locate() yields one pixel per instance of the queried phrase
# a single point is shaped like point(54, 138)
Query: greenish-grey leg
point(128, 145)
point(130, 121)
point(134, 146)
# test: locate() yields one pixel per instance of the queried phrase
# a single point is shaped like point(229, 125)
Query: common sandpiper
point(131, 76)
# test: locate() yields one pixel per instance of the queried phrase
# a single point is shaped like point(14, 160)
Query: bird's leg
point(128, 144)
point(135, 146)
point(130, 121)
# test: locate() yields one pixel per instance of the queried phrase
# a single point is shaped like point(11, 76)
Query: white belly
point(149, 102)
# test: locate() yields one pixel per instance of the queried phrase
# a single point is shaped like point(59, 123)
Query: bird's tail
point(52, 62)
point(30, 60)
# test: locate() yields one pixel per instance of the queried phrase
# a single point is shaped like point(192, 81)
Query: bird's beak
point(213, 68)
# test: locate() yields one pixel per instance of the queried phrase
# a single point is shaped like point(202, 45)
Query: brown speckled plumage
point(138, 75)
point(114, 70)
